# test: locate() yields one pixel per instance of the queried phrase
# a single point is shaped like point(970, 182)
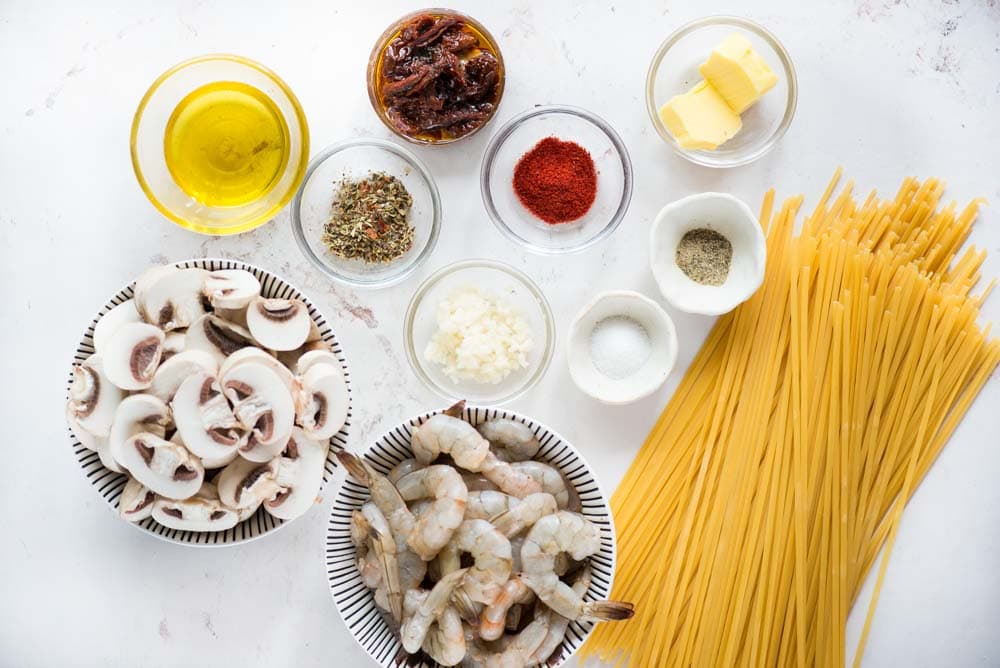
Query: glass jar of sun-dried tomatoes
point(435, 76)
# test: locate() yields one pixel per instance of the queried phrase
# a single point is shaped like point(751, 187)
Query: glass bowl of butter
point(721, 91)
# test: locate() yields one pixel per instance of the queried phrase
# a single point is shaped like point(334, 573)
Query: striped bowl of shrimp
point(472, 536)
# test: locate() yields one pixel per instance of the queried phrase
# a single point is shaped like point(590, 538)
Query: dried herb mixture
point(370, 219)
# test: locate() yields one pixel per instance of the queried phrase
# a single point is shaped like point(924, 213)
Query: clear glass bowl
point(149, 126)
point(355, 159)
point(518, 136)
point(375, 64)
point(674, 70)
point(495, 278)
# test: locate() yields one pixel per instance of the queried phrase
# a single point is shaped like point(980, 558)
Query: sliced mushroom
point(279, 324)
point(122, 314)
point(136, 502)
point(139, 413)
point(256, 354)
point(263, 405)
point(320, 356)
point(173, 343)
point(170, 374)
point(172, 300)
point(163, 466)
point(93, 398)
point(244, 485)
point(290, 358)
point(231, 288)
point(321, 404)
point(204, 420)
point(217, 336)
point(300, 475)
point(201, 512)
point(132, 355)
point(98, 444)
point(147, 279)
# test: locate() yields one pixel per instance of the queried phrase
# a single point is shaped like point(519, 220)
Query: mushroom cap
point(147, 279)
point(321, 405)
point(163, 466)
point(231, 288)
point(263, 405)
point(137, 414)
point(98, 444)
point(132, 354)
point(244, 484)
point(170, 374)
point(201, 512)
point(253, 353)
point(204, 419)
point(217, 336)
point(171, 300)
point(279, 324)
point(93, 398)
point(300, 475)
point(311, 357)
point(136, 502)
point(119, 315)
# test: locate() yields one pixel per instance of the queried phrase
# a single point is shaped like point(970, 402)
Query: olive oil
point(226, 144)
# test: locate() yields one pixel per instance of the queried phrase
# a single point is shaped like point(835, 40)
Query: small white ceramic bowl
point(732, 219)
point(652, 374)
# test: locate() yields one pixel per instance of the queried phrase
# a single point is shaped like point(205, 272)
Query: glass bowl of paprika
point(556, 179)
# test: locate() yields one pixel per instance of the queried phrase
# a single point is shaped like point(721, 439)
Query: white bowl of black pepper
point(707, 253)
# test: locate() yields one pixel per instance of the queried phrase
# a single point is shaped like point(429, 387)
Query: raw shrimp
point(547, 478)
point(484, 505)
point(522, 516)
point(384, 548)
point(508, 477)
point(384, 494)
point(552, 535)
point(448, 560)
point(445, 433)
point(402, 468)
point(477, 482)
point(490, 551)
point(516, 650)
point(434, 528)
point(559, 624)
point(511, 440)
point(387, 512)
point(445, 641)
point(494, 617)
point(423, 607)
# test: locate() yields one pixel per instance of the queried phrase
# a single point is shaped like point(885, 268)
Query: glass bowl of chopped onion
point(479, 330)
point(368, 213)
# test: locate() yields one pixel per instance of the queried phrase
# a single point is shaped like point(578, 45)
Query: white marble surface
point(887, 88)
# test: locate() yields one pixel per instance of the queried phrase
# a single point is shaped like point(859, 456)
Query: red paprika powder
point(556, 180)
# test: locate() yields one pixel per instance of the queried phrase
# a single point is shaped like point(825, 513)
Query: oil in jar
point(226, 144)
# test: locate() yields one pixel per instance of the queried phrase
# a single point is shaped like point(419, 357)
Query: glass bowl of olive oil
point(219, 144)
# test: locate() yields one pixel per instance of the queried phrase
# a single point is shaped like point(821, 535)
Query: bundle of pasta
point(781, 466)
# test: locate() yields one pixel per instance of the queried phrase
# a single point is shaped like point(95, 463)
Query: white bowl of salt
point(622, 346)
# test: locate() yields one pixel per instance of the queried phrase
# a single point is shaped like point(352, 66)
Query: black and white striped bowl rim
point(356, 603)
point(110, 484)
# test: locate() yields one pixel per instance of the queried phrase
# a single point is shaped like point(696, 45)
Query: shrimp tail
point(390, 572)
point(355, 466)
point(607, 611)
point(456, 409)
point(466, 607)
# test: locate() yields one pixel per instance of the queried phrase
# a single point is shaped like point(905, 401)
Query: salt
point(619, 346)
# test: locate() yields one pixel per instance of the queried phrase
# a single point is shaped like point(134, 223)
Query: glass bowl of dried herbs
point(367, 214)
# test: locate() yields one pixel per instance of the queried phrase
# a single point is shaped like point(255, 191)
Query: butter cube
point(700, 118)
point(738, 72)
